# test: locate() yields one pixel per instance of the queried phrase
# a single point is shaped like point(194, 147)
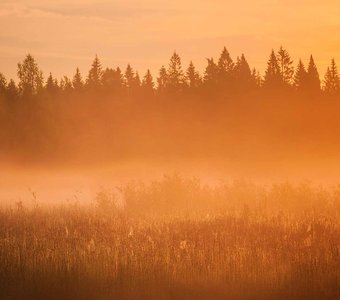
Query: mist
point(176, 185)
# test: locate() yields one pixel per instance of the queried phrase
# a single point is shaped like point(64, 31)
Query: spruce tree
point(66, 84)
point(225, 64)
point(313, 78)
point(272, 77)
point(113, 80)
point(147, 83)
point(300, 77)
point(162, 80)
point(77, 81)
point(211, 73)
point(225, 68)
point(256, 78)
point(175, 74)
point(51, 86)
point(129, 77)
point(192, 76)
point(137, 82)
point(285, 64)
point(332, 80)
point(3, 84)
point(95, 74)
point(242, 73)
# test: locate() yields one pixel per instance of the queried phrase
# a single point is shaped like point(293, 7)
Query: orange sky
point(65, 34)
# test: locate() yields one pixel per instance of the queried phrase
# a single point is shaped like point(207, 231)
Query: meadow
point(176, 238)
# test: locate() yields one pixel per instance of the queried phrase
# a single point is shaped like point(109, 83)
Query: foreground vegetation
point(176, 239)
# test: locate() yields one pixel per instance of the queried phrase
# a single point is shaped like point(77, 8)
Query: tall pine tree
point(129, 77)
point(285, 64)
point(211, 74)
point(225, 63)
point(332, 80)
point(300, 77)
point(113, 80)
point(51, 84)
point(3, 84)
point(313, 78)
point(242, 74)
point(272, 77)
point(95, 74)
point(147, 83)
point(77, 81)
point(256, 78)
point(192, 76)
point(162, 80)
point(175, 74)
point(225, 67)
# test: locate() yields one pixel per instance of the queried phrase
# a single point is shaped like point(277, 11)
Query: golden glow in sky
point(65, 34)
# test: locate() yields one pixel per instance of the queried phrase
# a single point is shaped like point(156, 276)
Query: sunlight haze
point(63, 34)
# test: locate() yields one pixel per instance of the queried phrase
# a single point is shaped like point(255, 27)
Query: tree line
point(220, 76)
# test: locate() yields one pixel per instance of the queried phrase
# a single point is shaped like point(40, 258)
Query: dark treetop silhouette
point(226, 111)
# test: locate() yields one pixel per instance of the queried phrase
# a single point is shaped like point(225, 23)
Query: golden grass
point(239, 241)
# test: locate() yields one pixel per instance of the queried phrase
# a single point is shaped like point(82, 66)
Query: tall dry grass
point(176, 239)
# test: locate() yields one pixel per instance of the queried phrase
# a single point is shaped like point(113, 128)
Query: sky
point(63, 35)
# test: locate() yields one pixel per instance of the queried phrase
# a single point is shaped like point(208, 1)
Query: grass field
point(176, 239)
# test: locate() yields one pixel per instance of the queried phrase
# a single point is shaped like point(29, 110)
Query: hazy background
point(65, 34)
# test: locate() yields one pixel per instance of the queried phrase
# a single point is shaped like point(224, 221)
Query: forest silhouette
point(230, 110)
